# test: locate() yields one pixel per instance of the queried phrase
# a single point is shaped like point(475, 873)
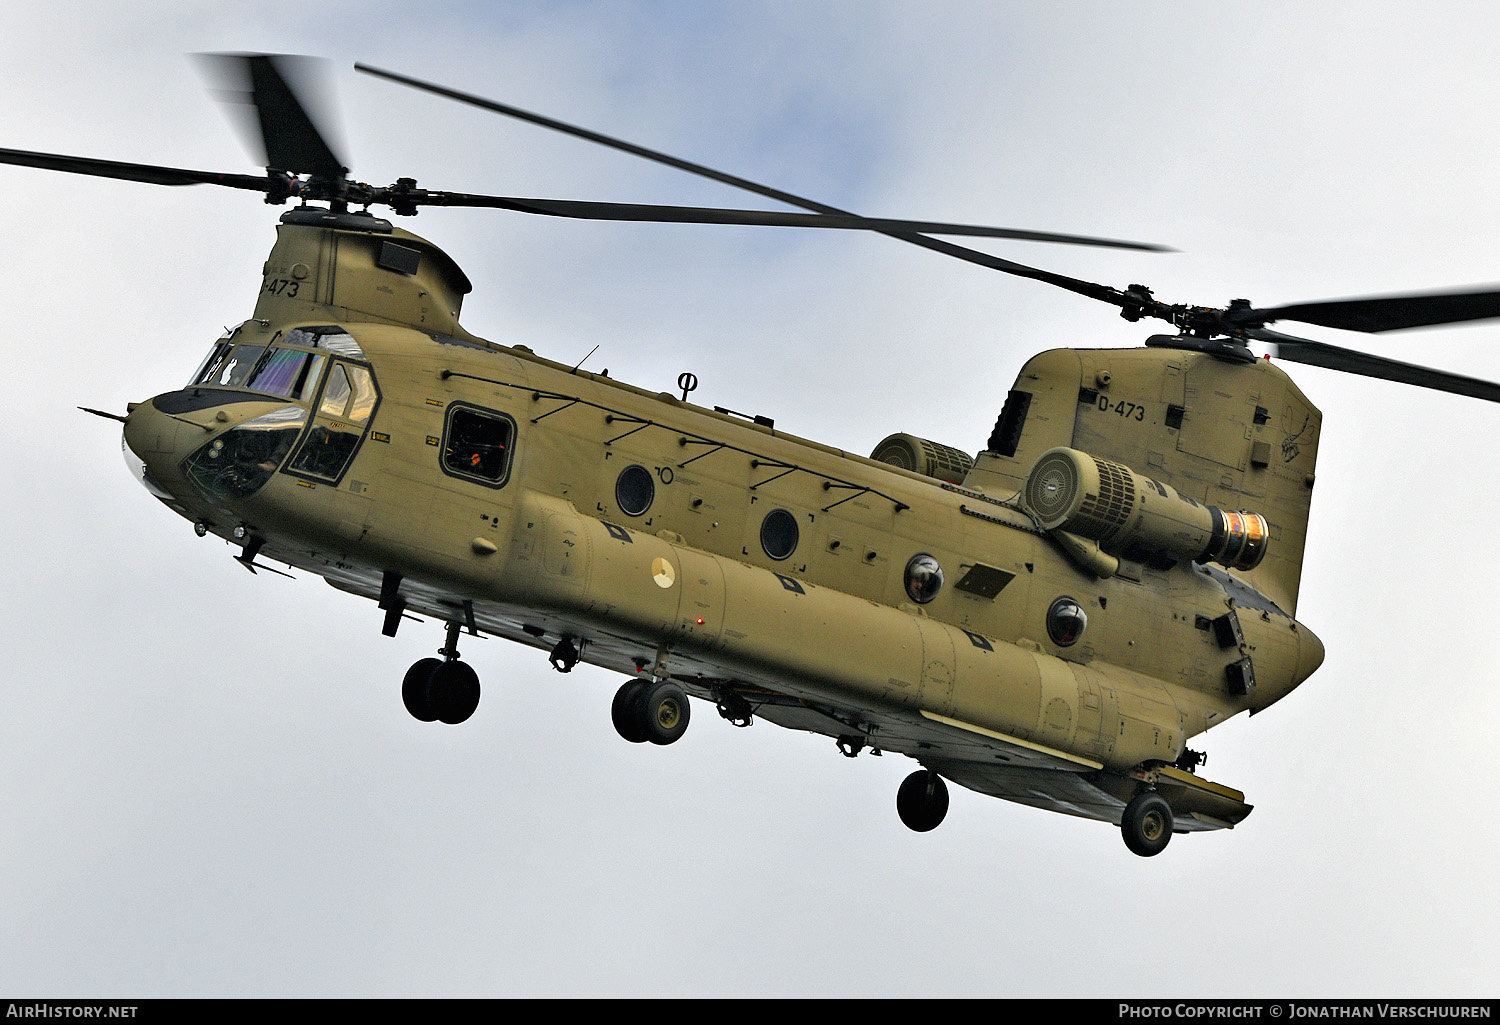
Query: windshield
point(287, 370)
point(287, 373)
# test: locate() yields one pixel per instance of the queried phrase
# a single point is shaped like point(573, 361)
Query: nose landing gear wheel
point(922, 801)
point(1147, 824)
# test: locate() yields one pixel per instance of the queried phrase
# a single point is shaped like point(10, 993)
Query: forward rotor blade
point(291, 139)
point(1080, 287)
point(717, 215)
point(1378, 313)
point(1352, 361)
point(149, 173)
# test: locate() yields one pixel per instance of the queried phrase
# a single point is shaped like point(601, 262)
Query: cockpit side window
point(343, 413)
point(362, 401)
point(349, 395)
point(335, 394)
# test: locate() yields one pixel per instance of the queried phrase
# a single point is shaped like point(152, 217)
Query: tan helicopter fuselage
point(635, 524)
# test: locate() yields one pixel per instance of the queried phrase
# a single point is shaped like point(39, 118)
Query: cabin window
point(477, 445)
point(779, 534)
point(924, 578)
point(1066, 622)
point(634, 490)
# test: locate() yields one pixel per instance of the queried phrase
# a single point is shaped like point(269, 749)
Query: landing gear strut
point(1147, 824)
point(654, 710)
point(922, 801)
point(446, 690)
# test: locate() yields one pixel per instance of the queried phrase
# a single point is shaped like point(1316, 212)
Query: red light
point(700, 620)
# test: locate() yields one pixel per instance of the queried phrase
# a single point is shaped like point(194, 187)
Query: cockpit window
point(344, 411)
point(234, 368)
point(239, 462)
point(286, 372)
point(334, 339)
point(212, 364)
point(283, 370)
point(362, 402)
point(336, 395)
point(350, 394)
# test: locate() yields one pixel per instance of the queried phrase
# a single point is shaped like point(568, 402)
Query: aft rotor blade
point(718, 215)
point(149, 173)
point(1087, 288)
point(1377, 313)
point(1352, 361)
point(291, 139)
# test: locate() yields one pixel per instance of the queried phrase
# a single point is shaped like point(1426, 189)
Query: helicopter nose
point(154, 443)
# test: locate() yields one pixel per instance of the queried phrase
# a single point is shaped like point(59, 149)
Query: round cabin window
point(1066, 622)
point(634, 490)
point(778, 534)
point(924, 578)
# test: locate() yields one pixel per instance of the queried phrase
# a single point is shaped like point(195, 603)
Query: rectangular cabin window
point(477, 445)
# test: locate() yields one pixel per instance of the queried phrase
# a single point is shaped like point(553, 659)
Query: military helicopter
point(1049, 622)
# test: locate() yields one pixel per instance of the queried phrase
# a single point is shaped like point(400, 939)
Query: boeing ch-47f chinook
point(1051, 622)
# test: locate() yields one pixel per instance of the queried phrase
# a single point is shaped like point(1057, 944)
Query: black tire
point(662, 712)
point(453, 692)
point(1147, 824)
point(922, 800)
point(414, 689)
point(622, 711)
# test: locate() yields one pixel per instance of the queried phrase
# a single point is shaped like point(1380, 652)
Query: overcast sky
point(208, 784)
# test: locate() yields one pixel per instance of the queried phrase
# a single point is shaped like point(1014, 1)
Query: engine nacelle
point(1125, 511)
point(940, 462)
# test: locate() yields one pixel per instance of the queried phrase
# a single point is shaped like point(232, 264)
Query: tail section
point(1237, 435)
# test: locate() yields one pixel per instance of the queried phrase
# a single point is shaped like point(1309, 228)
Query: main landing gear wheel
point(446, 691)
point(654, 710)
point(453, 692)
point(1147, 824)
point(922, 801)
point(414, 689)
